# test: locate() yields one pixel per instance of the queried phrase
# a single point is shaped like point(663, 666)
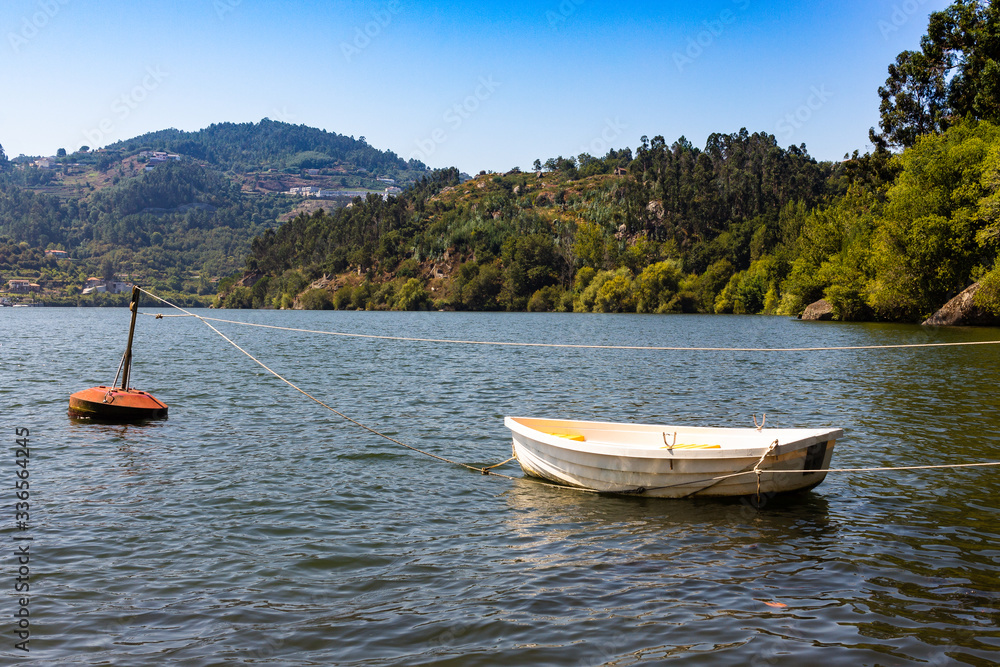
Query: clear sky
point(487, 85)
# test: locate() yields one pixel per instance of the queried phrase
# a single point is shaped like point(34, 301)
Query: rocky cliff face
point(961, 311)
point(820, 310)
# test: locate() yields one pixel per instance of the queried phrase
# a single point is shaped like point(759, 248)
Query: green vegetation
point(666, 237)
point(741, 226)
point(175, 225)
point(880, 236)
point(954, 75)
point(271, 144)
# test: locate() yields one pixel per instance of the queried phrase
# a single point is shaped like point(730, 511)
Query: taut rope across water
point(485, 471)
point(651, 348)
point(489, 469)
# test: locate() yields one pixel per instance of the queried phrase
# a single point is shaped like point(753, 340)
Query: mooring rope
point(650, 348)
point(485, 471)
point(927, 467)
point(756, 469)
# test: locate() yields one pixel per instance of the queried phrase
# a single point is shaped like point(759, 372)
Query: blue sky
point(488, 85)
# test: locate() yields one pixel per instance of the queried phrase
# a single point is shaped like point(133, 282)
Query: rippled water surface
point(255, 527)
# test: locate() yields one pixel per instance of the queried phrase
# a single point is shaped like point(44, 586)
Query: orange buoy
point(122, 403)
point(110, 403)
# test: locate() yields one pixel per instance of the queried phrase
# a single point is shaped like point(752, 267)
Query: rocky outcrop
point(961, 312)
point(656, 210)
point(249, 279)
point(322, 283)
point(821, 310)
point(545, 199)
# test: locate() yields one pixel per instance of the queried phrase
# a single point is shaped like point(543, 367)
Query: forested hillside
point(174, 227)
point(741, 225)
point(666, 228)
point(272, 144)
point(176, 224)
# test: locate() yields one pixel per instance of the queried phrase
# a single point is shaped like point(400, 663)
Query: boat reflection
point(538, 508)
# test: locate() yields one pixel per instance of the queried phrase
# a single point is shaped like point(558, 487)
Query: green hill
point(272, 145)
point(180, 219)
point(740, 226)
point(670, 226)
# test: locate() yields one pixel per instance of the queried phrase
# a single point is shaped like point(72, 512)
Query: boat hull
point(638, 459)
point(115, 404)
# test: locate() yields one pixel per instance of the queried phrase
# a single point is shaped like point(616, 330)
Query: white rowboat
point(672, 461)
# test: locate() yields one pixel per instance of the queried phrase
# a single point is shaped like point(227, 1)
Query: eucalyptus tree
point(955, 74)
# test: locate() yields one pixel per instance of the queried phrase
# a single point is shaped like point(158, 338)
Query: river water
point(255, 527)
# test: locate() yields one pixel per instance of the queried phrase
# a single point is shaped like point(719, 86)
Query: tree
point(616, 295)
point(955, 74)
point(530, 263)
point(934, 233)
point(3, 159)
point(61, 152)
point(537, 166)
point(317, 299)
point(412, 296)
point(589, 245)
point(107, 269)
point(656, 286)
point(482, 291)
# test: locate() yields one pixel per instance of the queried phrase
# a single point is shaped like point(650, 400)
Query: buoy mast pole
point(127, 362)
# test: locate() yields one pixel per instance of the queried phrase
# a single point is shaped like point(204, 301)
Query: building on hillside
point(159, 156)
point(117, 287)
point(99, 286)
point(306, 191)
point(58, 254)
point(22, 286)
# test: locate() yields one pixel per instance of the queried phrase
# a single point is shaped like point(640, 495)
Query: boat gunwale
point(798, 438)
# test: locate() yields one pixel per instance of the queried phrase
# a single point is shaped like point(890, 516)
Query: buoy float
point(121, 403)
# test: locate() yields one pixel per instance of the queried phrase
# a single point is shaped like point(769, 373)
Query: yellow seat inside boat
point(569, 436)
point(681, 446)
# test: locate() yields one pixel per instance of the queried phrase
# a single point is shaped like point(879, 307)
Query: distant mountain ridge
point(270, 144)
point(176, 209)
